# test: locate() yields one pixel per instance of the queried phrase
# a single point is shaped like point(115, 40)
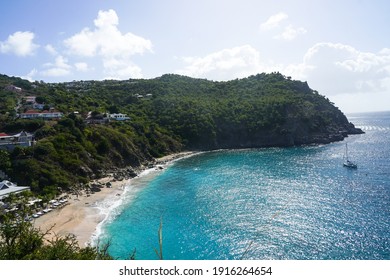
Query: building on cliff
point(10, 141)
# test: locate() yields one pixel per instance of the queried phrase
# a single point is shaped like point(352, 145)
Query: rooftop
point(7, 187)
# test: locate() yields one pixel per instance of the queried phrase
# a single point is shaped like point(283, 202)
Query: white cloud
point(55, 72)
point(81, 66)
point(279, 22)
point(290, 33)
point(355, 80)
point(338, 69)
point(273, 21)
point(20, 43)
point(57, 69)
point(51, 50)
point(108, 43)
point(82, 44)
point(226, 64)
point(62, 62)
point(30, 75)
point(107, 18)
point(118, 69)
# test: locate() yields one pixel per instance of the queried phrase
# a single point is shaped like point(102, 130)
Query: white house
point(10, 141)
point(13, 88)
point(119, 117)
point(6, 188)
point(32, 114)
point(30, 99)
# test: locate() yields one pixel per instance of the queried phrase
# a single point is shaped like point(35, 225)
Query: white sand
point(81, 216)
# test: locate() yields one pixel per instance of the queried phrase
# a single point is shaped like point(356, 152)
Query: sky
point(341, 48)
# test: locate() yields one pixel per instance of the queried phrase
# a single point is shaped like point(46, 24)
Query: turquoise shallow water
point(278, 203)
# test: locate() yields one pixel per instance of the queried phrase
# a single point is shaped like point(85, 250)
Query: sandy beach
point(81, 215)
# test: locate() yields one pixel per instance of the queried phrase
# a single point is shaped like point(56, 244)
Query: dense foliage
point(167, 114)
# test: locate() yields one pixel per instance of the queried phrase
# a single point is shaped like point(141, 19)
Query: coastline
point(82, 217)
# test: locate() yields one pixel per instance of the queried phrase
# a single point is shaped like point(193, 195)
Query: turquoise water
point(278, 203)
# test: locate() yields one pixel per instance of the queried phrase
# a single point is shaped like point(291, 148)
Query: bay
point(275, 203)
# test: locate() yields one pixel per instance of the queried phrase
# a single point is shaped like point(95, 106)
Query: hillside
point(167, 114)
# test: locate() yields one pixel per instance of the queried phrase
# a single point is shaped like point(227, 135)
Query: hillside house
point(10, 141)
point(31, 102)
point(30, 99)
point(6, 188)
point(119, 117)
point(48, 115)
point(13, 88)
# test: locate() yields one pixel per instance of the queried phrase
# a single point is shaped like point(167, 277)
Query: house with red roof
point(10, 141)
point(33, 114)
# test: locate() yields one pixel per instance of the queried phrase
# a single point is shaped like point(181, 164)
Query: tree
point(40, 100)
point(113, 109)
point(20, 240)
point(5, 161)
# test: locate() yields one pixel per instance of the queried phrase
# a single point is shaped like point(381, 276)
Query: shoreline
point(82, 217)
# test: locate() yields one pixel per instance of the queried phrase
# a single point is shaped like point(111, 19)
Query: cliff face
point(294, 132)
point(327, 125)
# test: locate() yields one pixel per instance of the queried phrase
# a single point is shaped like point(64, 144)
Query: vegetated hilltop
point(167, 114)
point(258, 111)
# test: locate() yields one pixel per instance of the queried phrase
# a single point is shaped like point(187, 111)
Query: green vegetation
point(168, 114)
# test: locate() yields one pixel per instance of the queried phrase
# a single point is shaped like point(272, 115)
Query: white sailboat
point(347, 162)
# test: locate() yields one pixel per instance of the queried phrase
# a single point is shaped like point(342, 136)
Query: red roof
point(31, 112)
point(3, 134)
point(43, 112)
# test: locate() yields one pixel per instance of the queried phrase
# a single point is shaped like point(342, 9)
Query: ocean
point(296, 203)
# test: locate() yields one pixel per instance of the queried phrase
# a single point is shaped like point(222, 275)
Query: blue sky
point(341, 48)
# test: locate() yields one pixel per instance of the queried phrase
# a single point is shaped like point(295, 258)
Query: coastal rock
point(131, 172)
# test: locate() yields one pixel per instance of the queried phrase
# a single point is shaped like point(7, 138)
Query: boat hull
point(349, 165)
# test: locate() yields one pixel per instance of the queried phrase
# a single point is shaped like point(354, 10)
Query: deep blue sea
point(275, 203)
